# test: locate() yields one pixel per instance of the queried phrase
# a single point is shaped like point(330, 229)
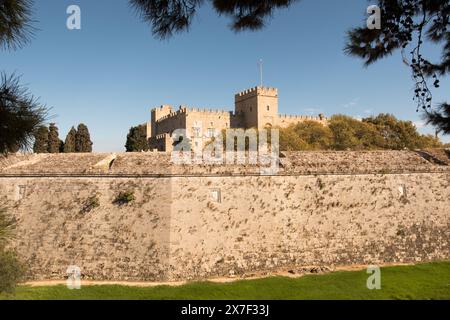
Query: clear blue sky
point(112, 72)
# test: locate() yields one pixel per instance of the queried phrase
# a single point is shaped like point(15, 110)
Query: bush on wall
point(124, 198)
point(90, 204)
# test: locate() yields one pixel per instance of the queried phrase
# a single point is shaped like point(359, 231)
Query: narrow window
point(211, 132)
point(268, 108)
point(20, 193)
point(196, 131)
point(216, 195)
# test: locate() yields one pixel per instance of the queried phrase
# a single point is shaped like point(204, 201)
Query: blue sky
point(112, 72)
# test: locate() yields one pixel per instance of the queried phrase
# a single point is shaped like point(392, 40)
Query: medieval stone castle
point(254, 108)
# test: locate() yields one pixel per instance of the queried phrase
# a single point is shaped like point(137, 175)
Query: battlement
point(162, 136)
point(320, 117)
point(208, 111)
point(255, 107)
point(186, 110)
point(255, 91)
point(162, 108)
point(181, 110)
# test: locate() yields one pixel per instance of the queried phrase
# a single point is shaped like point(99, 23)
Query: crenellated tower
point(157, 113)
point(258, 106)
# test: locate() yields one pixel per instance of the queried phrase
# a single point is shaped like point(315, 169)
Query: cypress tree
point(83, 141)
point(41, 140)
point(69, 145)
point(61, 146)
point(54, 143)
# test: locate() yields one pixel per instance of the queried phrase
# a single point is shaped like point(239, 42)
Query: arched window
point(268, 108)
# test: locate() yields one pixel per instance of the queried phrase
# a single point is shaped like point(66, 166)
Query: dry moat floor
point(423, 281)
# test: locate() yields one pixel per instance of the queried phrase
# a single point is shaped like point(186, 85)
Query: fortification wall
point(273, 223)
point(128, 242)
point(194, 223)
point(207, 119)
point(284, 121)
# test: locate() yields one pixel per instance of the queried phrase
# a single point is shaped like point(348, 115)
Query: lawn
point(423, 281)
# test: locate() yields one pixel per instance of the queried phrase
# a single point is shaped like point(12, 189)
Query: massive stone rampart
point(195, 222)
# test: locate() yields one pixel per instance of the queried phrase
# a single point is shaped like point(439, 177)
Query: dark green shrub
point(90, 204)
point(11, 271)
point(124, 198)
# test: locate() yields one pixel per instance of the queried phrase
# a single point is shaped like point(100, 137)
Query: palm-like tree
point(167, 17)
point(20, 115)
point(440, 119)
point(15, 23)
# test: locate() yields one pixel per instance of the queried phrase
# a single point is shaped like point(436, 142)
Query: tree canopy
point(11, 269)
point(137, 139)
point(15, 23)
point(167, 17)
point(83, 141)
point(41, 140)
point(346, 133)
point(54, 144)
point(20, 115)
point(69, 144)
point(405, 26)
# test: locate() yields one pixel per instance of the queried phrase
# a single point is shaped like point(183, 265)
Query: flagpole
point(260, 64)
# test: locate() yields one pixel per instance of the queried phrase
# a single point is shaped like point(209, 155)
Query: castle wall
point(176, 229)
point(204, 121)
point(268, 223)
point(284, 121)
point(128, 242)
point(171, 122)
point(157, 114)
point(162, 142)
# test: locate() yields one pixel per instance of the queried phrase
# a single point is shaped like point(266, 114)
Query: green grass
point(423, 281)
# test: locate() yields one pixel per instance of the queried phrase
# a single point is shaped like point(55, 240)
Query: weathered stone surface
point(177, 228)
point(159, 163)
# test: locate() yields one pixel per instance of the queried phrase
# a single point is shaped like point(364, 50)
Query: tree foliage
point(41, 140)
point(167, 17)
point(54, 144)
point(405, 26)
point(7, 225)
point(347, 133)
point(15, 23)
point(440, 118)
point(11, 270)
point(137, 139)
point(69, 144)
point(83, 141)
point(315, 135)
point(20, 115)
